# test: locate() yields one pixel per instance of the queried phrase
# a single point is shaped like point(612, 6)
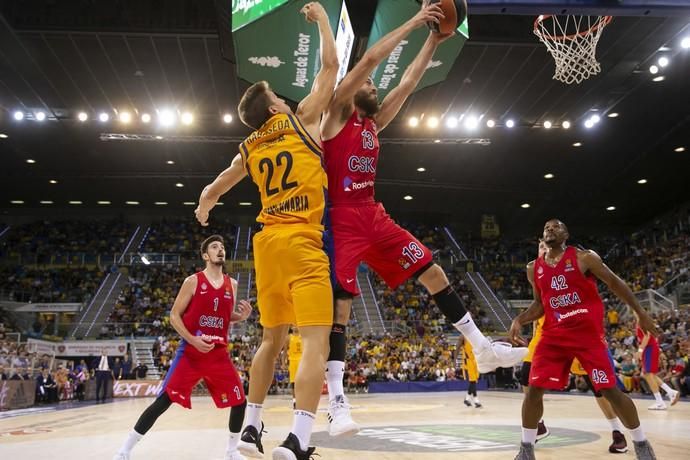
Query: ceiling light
point(577, 144)
point(166, 117)
point(679, 149)
point(451, 122)
point(159, 138)
point(30, 161)
point(547, 124)
point(40, 116)
point(548, 176)
point(227, 118)
point(219, 203)
point(659, 78)
point(471, 122)
point(133, 203)
point(125, 117)
point(407, 197)
point(104, 117)
point(663, 61)
point(664, 48)
point(421, 169)
point(653, 69)
point(510, 123)
point(413, 122)
point(46, 202)
point(179, 184)
point(188, 203)
point(611, 208)
point(170, 162)
point(19, 116)
point(589, 123)
point(490, 123)
point(160, 203)
point(187, 118)
point(52, 181)
point(3, 136)
point(245, 203)
point(613, 115)
point(565, 124)
point(525, 205)
point(83, 116)
point(102, 202)
point(432, 122)
point(17, 202)
point(146, 118)
point(437, 141)
point(595, 118)
point(685, 42)
point(75, 202)
point(642, 181)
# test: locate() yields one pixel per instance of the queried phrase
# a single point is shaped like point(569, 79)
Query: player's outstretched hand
point(243, 309)
point(647, 324)
point(201, 345)
point(313, 12)
point(439, 38)
point(514, 334)
point(428, 13)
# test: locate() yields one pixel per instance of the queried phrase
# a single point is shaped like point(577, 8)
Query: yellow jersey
point(285, 163)
point(535, 340)
point(295, 348)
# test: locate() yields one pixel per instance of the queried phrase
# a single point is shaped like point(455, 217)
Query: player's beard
point(367, 102)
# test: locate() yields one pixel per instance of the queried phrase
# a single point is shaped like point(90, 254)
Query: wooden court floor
point(400, 426)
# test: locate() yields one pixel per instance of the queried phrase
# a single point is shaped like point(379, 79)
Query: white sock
point(301, 427)
point(253, 415)
point(616, 424)
point(669, 391)
point(658, 398)
point(132, 439)
point(529, 435)
point(637, 434)
point(233, 440)
point(471, 332)
point(468, 397)
point(476, 399)
point(335, 371)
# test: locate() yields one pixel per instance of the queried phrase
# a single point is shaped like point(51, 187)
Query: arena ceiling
point(70, 56)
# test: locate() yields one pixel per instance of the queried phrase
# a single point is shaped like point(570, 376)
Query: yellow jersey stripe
point(304, 135)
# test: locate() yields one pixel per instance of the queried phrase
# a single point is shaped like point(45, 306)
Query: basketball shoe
point(619, 444)
point(644, 451)
point(340, 421)
point(290, 449)
point(658, 406)
point(467, 402)
point(498, 354)
point(234, 455)
point(542, 431)
point(250, 442)
point(526, 452)
point(673, 396)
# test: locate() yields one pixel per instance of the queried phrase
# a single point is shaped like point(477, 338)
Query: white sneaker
point(673, 396)
point(498, 354)
point(340, 423)
point(234, 455)
point(658, 406)
point(121, 456)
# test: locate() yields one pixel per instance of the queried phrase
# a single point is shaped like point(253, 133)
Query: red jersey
point(652, 342)
point(208, 313)
point(351, 158)
point(573, 309)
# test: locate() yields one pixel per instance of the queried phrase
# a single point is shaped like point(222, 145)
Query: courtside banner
point(17, 394)
point(136, 388)
point(391, 14)
point(78, 347)
point(280, 46)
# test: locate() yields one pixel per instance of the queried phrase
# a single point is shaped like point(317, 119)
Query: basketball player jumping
point(201, 314)
point(565, 292)
point(362, 230)
point(648, 349)
point(283, 158)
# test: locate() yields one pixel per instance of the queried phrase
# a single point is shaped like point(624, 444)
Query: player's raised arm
point(395, 99)
point(533, 313)
point(593, 263)
point(179, 306)
point(342, 101)
point(310, 109)
point(221, 185)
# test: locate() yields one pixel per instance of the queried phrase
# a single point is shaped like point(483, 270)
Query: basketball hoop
point(572, 41)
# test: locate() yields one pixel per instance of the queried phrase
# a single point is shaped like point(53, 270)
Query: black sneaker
point(250, 442)
point(467, 403)
point(619, 444)
point(542, 432)
point(290, 449)
point(478, 405)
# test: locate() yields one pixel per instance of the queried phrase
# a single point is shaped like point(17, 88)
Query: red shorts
point(650, 360)
point(368, 234)
point(215, 367)
point(551, 364)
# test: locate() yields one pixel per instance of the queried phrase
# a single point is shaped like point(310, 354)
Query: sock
point(471, 332)
point(616, 424)
point(335, 371)
point(233, 440)
point(476, 399)
point(132, 439)
point(669, 391)
point(658, 398)
point(637, 434)
point(301, 427)
point(468, 397)
point(529, 435)
point(253, 416)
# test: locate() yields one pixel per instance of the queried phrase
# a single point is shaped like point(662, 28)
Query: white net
point(572, 41)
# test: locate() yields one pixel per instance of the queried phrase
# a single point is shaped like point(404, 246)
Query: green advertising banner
point(391, 14)
point(279, 45)
point(246, 11)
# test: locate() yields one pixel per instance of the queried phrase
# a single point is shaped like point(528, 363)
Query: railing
point(158, 258)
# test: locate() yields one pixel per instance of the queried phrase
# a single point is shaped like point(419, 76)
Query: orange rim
point(541, 18)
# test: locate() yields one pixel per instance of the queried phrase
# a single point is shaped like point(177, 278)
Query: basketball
point(455, 12)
